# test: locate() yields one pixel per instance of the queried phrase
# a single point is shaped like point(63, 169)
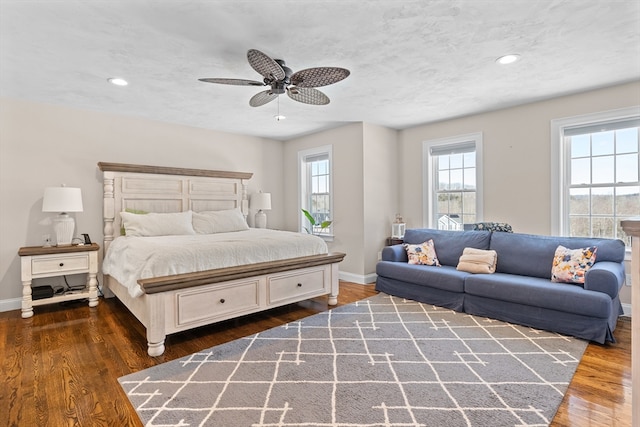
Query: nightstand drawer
point(54, 264)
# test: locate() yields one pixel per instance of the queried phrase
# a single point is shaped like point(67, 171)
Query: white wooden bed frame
point(180, 302)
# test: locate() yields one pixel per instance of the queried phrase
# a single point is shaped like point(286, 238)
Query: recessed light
point(279, 117)
point(508, 59)
point(118, 81)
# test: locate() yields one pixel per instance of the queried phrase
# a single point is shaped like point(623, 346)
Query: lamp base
point(64, 225)
point(261, 219)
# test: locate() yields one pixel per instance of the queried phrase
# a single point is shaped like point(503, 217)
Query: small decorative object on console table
point(38, 262)
point(398, 227)
point(262, 202)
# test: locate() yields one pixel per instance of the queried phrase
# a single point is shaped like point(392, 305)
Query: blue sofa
point(521, 290)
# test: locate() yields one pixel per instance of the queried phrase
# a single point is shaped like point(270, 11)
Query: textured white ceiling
point(411, 62)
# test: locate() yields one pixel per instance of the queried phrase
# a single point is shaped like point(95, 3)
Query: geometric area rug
point(382, 361)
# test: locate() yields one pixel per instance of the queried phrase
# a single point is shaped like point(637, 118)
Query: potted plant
point(312, 221)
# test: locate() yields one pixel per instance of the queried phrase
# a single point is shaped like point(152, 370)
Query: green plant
point(312, 221)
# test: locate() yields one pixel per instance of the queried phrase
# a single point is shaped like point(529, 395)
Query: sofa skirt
point(595, 329)
point(433, 296)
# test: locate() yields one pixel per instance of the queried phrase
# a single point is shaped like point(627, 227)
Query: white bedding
point(131, 258)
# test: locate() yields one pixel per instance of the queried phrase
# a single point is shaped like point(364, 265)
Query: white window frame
point(560, 156)
point(429, 201)
point(303, 155)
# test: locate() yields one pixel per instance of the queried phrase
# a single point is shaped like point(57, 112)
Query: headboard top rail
point(164, 170)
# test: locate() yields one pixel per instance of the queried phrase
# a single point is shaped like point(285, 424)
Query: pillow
point(157, 224)
point(135, 211)
point(475, 260)
point(571, 265)
point(219, 221)
point(422, 254)
point(493, 226)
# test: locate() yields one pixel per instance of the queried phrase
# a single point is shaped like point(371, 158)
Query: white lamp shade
point(62, 199)
point(261, 201)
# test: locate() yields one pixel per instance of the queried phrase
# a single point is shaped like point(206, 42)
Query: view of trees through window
point(604, 181)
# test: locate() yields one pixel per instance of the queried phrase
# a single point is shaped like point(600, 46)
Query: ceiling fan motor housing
point(279, 87)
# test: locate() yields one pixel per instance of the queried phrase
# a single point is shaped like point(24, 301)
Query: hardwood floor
point(60, 367)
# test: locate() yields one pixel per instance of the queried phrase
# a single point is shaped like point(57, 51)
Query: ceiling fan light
point(279, 117)
point(508, 59)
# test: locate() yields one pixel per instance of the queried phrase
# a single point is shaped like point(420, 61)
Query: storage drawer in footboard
point(211, 303)
point(296, 286)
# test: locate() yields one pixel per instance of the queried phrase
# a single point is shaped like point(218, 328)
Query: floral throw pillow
point(571, 265)
point(422, 254)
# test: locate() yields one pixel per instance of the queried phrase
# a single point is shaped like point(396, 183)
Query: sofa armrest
point(395, 253)
point(605, 276)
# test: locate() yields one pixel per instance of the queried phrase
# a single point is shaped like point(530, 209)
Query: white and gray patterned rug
point(383, 361)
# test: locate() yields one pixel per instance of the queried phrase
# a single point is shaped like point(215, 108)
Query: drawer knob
point(62, 264)
point(221, 300)
point(299, 285)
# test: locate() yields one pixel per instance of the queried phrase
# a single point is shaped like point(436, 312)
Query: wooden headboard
point(166, 189)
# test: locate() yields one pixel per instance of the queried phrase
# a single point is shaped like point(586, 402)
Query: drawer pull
point(62, 264)
point(221, 300)
point(299, 285)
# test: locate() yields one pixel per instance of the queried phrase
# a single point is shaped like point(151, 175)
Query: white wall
point(43, 145)
point(347, 188)
point(517, 156)
point(380, 175)
point(365, 184)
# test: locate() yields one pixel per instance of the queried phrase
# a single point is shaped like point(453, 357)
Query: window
point(453, 181)
point(316, 188)
point(599, 173)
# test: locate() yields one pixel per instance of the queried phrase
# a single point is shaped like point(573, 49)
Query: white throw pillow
point(157, 224)
point(219, 221)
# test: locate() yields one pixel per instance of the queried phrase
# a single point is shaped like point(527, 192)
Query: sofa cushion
point(537, 292)
point(532, 255)
point(571, 265)
point(445, 277)
point(449, 244)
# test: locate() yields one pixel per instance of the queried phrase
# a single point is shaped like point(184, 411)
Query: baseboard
point(10, 304)
point(626, 308)
point(358, 278)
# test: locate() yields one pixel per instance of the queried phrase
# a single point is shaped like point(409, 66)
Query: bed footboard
point(185, 301)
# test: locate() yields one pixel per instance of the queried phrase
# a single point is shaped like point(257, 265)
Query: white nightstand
point(37, 262)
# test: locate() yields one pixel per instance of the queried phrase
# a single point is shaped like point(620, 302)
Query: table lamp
point(62, 200)
point(262, 202)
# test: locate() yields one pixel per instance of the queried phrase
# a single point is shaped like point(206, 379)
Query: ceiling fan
point(300, 86)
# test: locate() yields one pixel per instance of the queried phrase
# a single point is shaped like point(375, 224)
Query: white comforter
point(131, 258)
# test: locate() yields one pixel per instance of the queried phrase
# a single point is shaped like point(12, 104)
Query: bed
point(180, 298)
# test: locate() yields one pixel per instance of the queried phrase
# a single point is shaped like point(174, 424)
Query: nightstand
point(38, 262)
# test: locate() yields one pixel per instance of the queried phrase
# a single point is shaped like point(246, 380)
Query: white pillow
point(157, 224)
point(219, 221)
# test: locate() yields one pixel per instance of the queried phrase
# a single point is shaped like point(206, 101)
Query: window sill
point(325, 237)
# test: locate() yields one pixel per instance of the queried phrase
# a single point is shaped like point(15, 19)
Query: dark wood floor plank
point(61, 367)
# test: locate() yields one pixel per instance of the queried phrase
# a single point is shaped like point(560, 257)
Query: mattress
point(129, 258)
